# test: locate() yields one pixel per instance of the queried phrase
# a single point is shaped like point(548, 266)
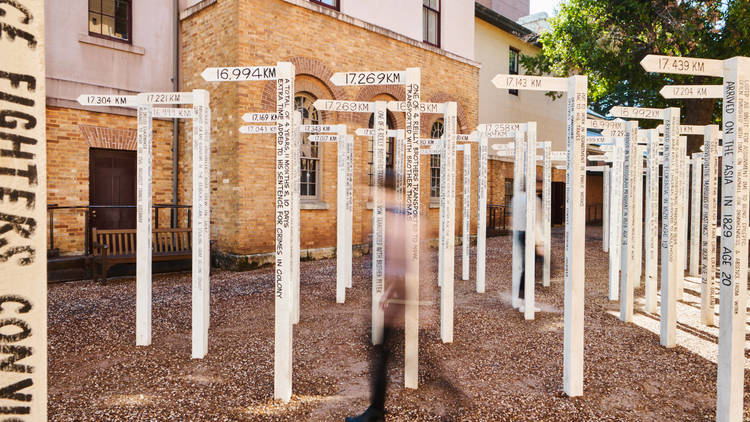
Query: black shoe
point(370, 415)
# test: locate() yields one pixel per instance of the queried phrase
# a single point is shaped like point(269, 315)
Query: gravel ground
point(499, 368)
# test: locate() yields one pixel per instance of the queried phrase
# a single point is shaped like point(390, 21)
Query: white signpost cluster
point(734, 214)
point(201, 115)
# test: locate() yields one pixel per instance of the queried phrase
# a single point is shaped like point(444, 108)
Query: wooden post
point(201, 222)
point(695, 214)
point(411, 330)
point(669, 258)
point(466, 225)
point(628, 222)
point(710, 183)
point(652, 218)
point(638, 216)
point(547, 213)
point(284, 220)
point(616, 210)
point(482, 213)
point(378, 220)
point(341, 227)
point(143, 227)
point(448, 197)
point(296, 179)
point(23, 212)
point(733, 256)
point(605, 210)
point(518, 173)
point(530, 247)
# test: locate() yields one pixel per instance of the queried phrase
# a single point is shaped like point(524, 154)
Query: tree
point(606, 40)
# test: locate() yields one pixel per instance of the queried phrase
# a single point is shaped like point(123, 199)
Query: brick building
point(131, 46)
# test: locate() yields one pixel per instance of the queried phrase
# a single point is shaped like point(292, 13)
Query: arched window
point(435, 132)
point(309, 151)
point(388, 147)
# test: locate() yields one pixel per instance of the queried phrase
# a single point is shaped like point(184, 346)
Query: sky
point(544, 6)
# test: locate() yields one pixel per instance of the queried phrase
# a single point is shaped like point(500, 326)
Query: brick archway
point(442, 97)
point(110, 138)
point(309, 67)
point(368, 93)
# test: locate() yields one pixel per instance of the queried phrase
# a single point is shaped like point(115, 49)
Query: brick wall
point(252, 33)
point(70, 135)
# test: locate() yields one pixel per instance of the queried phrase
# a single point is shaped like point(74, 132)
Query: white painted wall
point(405, 18)
point(75, 67)
point(492, 48)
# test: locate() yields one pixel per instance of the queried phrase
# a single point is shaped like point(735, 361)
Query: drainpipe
point(175, 122)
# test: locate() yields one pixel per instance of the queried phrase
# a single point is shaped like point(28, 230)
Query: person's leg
point(521, 286)
point(380, 370)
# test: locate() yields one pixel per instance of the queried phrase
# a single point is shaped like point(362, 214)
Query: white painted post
point(296, 178)
point(482, 213)
point(652, 219)
point(466, 226)
point(708, 243)
point(23, 212)
point(349, 217)
point(449, 198)
point(143, 227)
point(695, 214)
point(518, 172)
point(616, 210)
point(530, 247)
point(682, 221)
point(733, 262)
point(378, 220)
point(638, 216)
point(630, 173)
point(399, 167)
point(605, 210)
point(547, 212)
point(670, 270)
point(201, 222)
point(284, 220)
point(413, 93)
point(341, 230)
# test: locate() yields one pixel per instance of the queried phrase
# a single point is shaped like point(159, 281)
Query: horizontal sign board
point(430, 151)
point(683, 65)
point(166, 98)
point(172, 113)
point(595, 168)
point(322, 128)
point(604, 157)
point(465, 138)
point(371, 132)
point(605, 124)
point(613, 133)
point(559, 156)
point(108, 100)
point(391, 77)
point(234, 74)
point(692, 91)
point(260, 117)
point(538, 83)
point(434, 108)
point(686, 129)
point(258, 129)
point(345, 106)
point(427, 142)
point(501, 130)
point(323, 138)
point(637, 112)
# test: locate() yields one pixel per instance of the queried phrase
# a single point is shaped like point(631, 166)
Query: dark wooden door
point(558, 203)
point(112, 180)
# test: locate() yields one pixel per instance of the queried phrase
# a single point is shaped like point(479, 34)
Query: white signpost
point(708, 243)
point(23, 212)
point(695, 212)
point(411, 79)
point(547, 211)
point(200, 113)
point(481, 211)
point(652, 219)
point(605, 209)
point(631, 174)
point(575, 215)
point(734, 217)
point(466, 226)
point(285, 215)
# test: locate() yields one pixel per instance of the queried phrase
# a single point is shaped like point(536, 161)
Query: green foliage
point(606, 40)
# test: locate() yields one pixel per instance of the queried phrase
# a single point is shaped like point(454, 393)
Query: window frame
point(435, 158)
point(129, 40)
point(321, 3)
point(439, 23)
point(319, 159)
point(517, 71)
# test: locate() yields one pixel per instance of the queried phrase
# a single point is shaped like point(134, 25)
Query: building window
point(110, 19)
point(435, 132)
point(513, 66)
point(508, 194)
point(431, 22)
point(309, 151)
point(333, 4)
point(389, 145)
